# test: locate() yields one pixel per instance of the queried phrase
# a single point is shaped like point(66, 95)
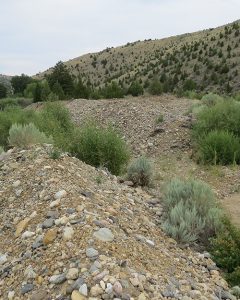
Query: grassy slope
point(209, 57)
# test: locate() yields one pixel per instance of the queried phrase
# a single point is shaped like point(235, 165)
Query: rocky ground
point(166, 143)
point(70, 231)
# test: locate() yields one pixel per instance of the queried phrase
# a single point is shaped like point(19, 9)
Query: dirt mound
point(70, 231)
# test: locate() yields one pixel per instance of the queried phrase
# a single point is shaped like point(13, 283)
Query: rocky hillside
point(209, 58)
point(70, 231)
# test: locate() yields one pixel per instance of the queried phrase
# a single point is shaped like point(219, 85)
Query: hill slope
point(70, 226)
point(211, 58)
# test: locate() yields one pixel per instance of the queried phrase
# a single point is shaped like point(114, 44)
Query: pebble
point(117, 287)
point(55, 203)
point(29, 273)
point(104, 235)
point(48, 223)
point(68, 233)
point(3, 258)
point(96, 290)
point(83, 290)
point(21, 226)
point(11, 295)
point(77, 296)
point(78, 283)
point(49, 236)
point(40, 295)
point(27, 288)
point(57, 279)
point(61, 194)
point(72, 274)
point(27, 234)
point(92, 253)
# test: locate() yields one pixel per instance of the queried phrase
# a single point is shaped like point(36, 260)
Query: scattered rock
point(104, 235)
point(27, 288)
point(61, 194)
point(49, 236)
point(21, 226)
point(68, 233)
point(72, 274)
point(92, 253)
point(58, 279)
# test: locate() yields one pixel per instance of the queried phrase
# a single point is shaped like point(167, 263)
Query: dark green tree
point(19, 83)
point(61, 75)
point(81, 90)
point(189, 85)
point(58, 90)
point(156, 87)
point(113, 90)
point(135, 89)
point(3, 91)
point(37, 96)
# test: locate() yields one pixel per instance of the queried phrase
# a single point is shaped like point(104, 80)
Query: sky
point(36, 34)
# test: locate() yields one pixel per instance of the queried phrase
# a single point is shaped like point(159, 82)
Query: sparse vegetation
point(140, 171)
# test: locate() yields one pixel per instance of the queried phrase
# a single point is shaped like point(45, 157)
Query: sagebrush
point(140, 171)
point(26, 135)
point(191, 211)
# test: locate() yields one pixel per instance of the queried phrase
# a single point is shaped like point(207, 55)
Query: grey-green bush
point(1, 150)
point(140, 171)
point(100, 147)
point(191, 212)
point(26, 135)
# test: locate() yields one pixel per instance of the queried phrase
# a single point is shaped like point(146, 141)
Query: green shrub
point(225, 249)
point(100, 147)
point(55, 153)
point(1, 150)
point(159, 119)
point(156, 88)
point(219, 147)
point(222, 116)
point(26, 135)
point(192, 95)
point(140, 171)
point(55, 120)
point(211, 99)
point(135, 89)
point(191, 212)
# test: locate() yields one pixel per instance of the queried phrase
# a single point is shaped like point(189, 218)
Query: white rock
point(60, 194)
point(29, 273)
point(109, 288)
point(104, 235)
point(16, 183)
point(68, 233)
point(11, 295)
point(27, 234)
point(3, 258)
point(72, 274)
point(55, 203)
point(83, 290)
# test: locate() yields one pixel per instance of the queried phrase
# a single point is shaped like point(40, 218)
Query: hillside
point(69, 226)
point(210, 58)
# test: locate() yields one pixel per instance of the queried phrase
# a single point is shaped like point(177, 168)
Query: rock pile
point(70, 231)
point(138, 120)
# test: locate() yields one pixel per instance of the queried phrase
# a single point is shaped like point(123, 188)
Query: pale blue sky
point(35, 34)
